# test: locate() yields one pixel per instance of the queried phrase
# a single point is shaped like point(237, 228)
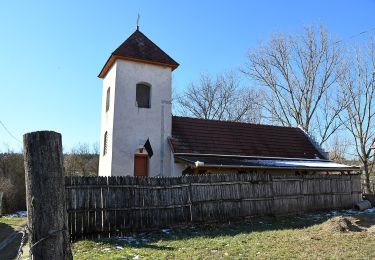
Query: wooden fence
point(107, 206)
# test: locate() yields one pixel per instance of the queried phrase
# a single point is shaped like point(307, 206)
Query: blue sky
point(52, 51)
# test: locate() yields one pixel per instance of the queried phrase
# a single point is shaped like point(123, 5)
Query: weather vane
point(138, 22)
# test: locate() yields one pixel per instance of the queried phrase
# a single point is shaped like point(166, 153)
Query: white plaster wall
point(132, 125)
point(177, 168)
point(105, 161)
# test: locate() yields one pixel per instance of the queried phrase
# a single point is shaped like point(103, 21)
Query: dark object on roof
point(200, 136)
point(196, 161)
point(148, 148)
point(141, 49)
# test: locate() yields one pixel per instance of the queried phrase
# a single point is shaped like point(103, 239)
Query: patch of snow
point(22, 214)
point(312, 164)
point(128, 240)
point(133, 240)
point(136, 257)
point(303, 163)
point(18, 214)
point(350, 212)
point(372, 210)
point(316, 216)
point(166, 231)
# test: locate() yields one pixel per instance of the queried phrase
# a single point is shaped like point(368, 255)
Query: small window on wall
point(108, 99)
point(105, 143)
point(143, 92)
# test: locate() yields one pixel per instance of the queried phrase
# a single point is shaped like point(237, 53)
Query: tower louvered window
point(105, 143)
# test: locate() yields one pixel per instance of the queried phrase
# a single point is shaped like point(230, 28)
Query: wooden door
point(140, 165)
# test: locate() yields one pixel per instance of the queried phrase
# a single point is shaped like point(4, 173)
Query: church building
point(140, 137)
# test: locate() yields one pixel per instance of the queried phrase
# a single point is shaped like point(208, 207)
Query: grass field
point(338, 235)
point(304, 237)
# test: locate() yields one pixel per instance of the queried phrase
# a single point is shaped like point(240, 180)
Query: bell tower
point(136, 116)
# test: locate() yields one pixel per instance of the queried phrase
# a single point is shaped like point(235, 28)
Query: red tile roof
point(139, 48)
point(200, 136)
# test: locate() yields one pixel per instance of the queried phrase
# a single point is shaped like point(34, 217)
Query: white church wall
point(133, 126)
point(177, 168)
point(105, 161)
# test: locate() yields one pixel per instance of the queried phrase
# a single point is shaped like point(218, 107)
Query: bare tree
point(82, 161)
point(94, 162)
point(358, 87)
point(221, 98)
point(338, 148)
point(299, 74)
point(12, 181)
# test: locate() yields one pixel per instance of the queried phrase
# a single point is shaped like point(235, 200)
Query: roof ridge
point(233, 122)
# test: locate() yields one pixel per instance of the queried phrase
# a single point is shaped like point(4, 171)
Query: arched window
point(107, 99)
point(105, 143)
point(143, 93)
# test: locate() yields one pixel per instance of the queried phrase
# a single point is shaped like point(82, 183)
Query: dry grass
point(300, 237)
point(305, 237)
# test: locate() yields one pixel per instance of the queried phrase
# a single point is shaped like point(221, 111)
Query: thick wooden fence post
point(45, 196)
point(1, 203)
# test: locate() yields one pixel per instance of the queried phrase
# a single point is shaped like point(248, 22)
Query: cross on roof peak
point(138, 17)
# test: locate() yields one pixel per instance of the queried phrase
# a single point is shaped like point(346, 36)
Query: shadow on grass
point(213, 230)
point(5, 231)
point(11, 248)
point(366, 221)
point(156, 247)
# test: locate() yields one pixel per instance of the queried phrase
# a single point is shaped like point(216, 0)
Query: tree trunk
point(45, 196)
point(367, 177)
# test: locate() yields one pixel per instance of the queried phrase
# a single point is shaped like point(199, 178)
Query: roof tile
point(139, 48)
point(200, 136)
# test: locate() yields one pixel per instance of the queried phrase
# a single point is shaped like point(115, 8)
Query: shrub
point(12, 182)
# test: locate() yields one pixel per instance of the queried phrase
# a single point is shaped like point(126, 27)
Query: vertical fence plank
point(108, 206)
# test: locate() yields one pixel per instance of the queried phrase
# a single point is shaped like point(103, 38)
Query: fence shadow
point(8, 247)
point(213, 230)
point(5, 231)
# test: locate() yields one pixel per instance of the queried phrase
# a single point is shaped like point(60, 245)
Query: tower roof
point(141, 49)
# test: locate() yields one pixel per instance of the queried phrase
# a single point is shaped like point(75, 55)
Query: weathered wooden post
point(1, 203)
point(45, 196)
